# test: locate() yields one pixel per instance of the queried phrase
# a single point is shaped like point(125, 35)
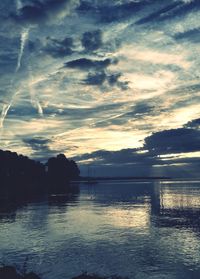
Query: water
point(136, 229)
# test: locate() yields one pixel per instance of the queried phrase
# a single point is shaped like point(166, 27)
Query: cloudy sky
point(114, 84)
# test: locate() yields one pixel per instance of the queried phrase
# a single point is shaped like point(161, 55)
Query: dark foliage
point(22, 177)
point(60, 171)
point(9, 272)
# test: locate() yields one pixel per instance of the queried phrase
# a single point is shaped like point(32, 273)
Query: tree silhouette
point(21, 176)
point(60, 171)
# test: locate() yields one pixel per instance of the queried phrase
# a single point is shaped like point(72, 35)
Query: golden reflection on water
point(170, 200)
point(181, 198)
point(133, 217)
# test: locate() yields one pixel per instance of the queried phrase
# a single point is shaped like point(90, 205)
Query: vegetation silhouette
point(59, 171)
point(10, 272)
point(22, 177)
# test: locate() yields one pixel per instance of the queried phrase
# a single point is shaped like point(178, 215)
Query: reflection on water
point(140, 230)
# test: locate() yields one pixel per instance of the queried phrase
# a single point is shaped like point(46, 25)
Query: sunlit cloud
point(159, 81)
point(155, 57)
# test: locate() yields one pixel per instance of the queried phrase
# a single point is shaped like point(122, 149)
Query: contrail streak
point(24, 38)
point(18, 5)
point(34, 100)
point(40, 109)
point(6, 108)
point(4, 113)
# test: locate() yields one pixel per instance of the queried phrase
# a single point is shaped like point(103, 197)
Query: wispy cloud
point(100, 75)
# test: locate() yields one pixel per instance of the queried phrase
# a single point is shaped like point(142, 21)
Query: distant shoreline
point(86, 179)
point(135, 178)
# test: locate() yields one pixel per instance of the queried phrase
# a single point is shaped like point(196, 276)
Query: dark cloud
point(37, 143)
point(122, 11)
point(59, 48)
point(194, 124)
point(97, 78)
point(176, 9)
point(138, 111)
point(37, 11)
point(40, 147)
point(147, 160)
point(113, 79)
point(160, 14)
point(173, 141)
point(92, 40)
point(192, 35)
point(124, 156)
point(112, 12)
point(135, 157)
point(87, 64)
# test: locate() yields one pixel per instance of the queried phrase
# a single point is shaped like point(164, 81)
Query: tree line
point(22, 176)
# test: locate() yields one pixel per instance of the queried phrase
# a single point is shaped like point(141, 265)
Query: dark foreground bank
point(9, 272)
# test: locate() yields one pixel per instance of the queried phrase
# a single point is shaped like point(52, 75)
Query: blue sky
point(114, 84)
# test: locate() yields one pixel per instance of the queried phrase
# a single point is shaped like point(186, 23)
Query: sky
point(112, 84)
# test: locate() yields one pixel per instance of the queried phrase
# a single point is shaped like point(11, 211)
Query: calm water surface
point(140, 230)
